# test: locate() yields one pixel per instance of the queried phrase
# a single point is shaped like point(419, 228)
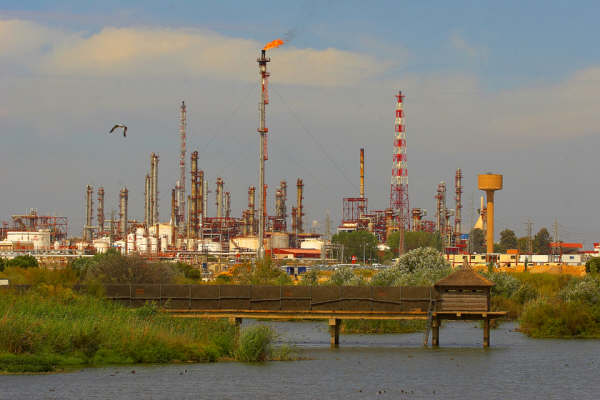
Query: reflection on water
point(364, 367)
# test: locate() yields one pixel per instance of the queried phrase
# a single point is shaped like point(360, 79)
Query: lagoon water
point(364, 367)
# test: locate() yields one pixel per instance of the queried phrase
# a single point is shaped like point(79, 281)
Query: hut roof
point(465, 277)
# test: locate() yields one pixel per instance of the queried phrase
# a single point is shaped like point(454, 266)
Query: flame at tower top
point(271, 45)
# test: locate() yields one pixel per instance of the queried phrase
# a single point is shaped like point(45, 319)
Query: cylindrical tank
point(130, 243)
point(279, 240)
point(153, 245)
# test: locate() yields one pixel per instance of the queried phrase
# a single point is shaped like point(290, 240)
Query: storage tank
point(153, 245)
point(142, 244)
point(130, 243)
point(279, 240)
point(244, 242)
point(101, 246)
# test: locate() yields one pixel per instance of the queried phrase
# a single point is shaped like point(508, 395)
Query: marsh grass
point(43, 333)
point(382, 326)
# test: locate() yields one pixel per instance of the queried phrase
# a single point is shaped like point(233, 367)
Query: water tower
point(490, 183)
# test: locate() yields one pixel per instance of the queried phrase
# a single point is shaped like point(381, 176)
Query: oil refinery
point(189, 232)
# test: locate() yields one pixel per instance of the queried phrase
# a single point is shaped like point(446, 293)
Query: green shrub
point(255, 344)
point(586, 290)
point(26, 261)
point(592, 266)
point(420, 267)
point(544, 318)
point(310, 278)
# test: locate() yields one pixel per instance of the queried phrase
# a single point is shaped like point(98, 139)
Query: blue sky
point(505, 86)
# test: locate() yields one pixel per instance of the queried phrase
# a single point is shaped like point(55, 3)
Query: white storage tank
point(315, 244)
point(130, 243)
point(278, 240)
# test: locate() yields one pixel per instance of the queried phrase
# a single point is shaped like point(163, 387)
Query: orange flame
point(271, 45)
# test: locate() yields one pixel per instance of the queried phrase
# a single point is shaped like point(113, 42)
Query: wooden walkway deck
point(331, 303)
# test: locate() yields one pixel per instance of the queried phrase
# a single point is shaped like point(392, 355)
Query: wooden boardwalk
point(331, 303)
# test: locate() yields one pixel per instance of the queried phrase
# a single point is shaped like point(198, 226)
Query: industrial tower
point(262, 130)
point(399, 190)
point(181, 193)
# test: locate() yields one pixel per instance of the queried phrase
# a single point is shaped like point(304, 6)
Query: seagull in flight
point(120, 126)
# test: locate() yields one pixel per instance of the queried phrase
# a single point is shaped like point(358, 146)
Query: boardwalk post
point(334, 331)
point(435, 332)
point(486, 332)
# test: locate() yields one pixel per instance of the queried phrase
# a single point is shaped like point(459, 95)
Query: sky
point(506, 87)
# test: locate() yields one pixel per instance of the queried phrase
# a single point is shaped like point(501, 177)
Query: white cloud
point(163, 52)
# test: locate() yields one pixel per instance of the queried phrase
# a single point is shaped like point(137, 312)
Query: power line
point(319, 145)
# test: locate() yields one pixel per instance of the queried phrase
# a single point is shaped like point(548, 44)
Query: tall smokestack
point(200, 204)
point(262, 130)
point(219, 197)
point(362, 173)
point(123, 197)
point(300, 207)
point(205, 199)
point(458, 212)
point(154, 187)
point(193, 214)
point(89, 204)
point(251, 210)
point(181, 187)
point(173, 216)
point(147, 202)
point(441, 208)
point(101, 210)
point(227, 205)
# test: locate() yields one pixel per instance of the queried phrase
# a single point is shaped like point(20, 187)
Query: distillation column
point(458, 213)
point(362, 173)
point(123, 197)
point(154, 188)
point(89, 204)
point(219, 197)
point(251, 210)
point(147, 202)
point(300, 207)
point(101, 210)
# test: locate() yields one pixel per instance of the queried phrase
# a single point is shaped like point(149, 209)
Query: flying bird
point(120, 126)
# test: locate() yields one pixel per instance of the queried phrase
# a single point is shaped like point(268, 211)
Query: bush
point(255, 344)
point(419, 267)
point(545, 318)
point(311, 278)
point(345, 276)
point(506, 284)
point(116, 268)
point(26, 261)
point(2, 264)
point(592, 266)
point(586, 290)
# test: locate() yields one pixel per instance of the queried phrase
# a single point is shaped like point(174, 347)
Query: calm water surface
point(364, 367)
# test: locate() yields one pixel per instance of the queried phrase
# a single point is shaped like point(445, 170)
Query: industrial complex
point(188, 232)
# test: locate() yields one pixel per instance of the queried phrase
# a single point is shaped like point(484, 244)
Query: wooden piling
point(486, 332)
point(435, 332)
point(334, 331)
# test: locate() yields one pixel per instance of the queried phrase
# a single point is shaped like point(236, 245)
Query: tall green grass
point(42, 333)
point(382, 326)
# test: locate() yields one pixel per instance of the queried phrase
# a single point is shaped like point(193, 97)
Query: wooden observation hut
point(464, 290)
